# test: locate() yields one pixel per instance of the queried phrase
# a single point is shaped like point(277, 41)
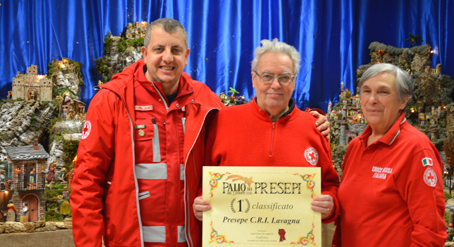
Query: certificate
point(261, 206)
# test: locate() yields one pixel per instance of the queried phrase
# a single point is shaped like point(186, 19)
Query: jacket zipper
point(272, 138)
point(186, 195)
point(162, 98)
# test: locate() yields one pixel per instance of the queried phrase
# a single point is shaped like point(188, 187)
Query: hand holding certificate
point(261, 206)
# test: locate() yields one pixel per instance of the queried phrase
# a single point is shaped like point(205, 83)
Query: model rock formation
point(65, 75)
point(30, 116)
point(121, 51)
point(23, 122)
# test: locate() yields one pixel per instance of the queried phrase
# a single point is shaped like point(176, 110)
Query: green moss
point(107, 44)
point(447, 196)
point(59, 186)
point(52, 215)
point(52, 202)
point(34, 123)
point(77, 69)
point(3, 135)
point(124, 43)
point(53, 122)
point(102, 67)
point(52, 68)
point(70, 149)
point(4, 101)
point(446, 219)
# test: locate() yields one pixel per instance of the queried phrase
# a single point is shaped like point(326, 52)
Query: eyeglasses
point(266, 78)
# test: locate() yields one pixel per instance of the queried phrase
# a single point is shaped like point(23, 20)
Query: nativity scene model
point(40, 128)
point(41, 123)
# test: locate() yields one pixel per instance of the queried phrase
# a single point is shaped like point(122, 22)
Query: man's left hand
point(322, 123)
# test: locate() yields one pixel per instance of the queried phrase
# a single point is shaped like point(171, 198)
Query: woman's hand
point(199, 207)
point(323, 204)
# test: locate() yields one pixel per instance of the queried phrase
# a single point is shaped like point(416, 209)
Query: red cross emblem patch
point(86, 130)
point(430, 178)
point(311, 156)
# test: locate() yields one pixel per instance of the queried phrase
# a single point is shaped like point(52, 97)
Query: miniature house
point(71, 107)
point(32, 86)
point(28, 186)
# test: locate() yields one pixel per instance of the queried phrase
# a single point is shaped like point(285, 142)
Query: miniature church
point(32, 86)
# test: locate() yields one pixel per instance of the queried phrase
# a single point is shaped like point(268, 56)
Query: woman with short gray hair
point(391, 193)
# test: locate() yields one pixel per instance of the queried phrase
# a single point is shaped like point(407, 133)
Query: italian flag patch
point(427, 162)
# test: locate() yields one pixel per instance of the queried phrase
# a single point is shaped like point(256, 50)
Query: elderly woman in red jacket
point(391, 193)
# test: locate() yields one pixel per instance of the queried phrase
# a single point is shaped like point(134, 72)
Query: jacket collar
point(391, 135)
point(122, 84)
point(264, 115)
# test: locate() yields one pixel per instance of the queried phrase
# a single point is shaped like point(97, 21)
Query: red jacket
point(391, 192)
point(245, 136)
point(105, 193)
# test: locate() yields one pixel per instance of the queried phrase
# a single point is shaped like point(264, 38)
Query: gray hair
point(168, 25)
point(277, 47)
point(403, 82)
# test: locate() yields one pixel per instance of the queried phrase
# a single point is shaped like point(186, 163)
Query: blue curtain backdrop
point(332, 36)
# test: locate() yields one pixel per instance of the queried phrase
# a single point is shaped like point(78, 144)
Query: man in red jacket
point(273, 131)
point(142, 148)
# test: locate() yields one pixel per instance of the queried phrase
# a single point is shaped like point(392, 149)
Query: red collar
point(392, 133)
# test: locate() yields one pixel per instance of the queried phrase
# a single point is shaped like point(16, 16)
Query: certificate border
point(215, 237)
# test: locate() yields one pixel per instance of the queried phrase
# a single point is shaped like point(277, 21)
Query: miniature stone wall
point(31, 85)
point(37, 226)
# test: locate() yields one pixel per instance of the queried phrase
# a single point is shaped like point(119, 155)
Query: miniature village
point(40, 128)
point(41, 125)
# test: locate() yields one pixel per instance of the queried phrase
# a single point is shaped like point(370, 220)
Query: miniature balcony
point(24, 182)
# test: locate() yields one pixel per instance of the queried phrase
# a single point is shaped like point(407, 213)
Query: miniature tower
point(343, 133)
point(46, 89)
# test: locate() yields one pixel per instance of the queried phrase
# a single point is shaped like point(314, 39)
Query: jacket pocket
point(144, 140)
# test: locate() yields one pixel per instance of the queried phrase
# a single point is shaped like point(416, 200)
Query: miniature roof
point(26, 153)
point(78, 101)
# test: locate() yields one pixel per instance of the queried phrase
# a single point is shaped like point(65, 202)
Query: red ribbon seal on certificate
point(282, 235)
